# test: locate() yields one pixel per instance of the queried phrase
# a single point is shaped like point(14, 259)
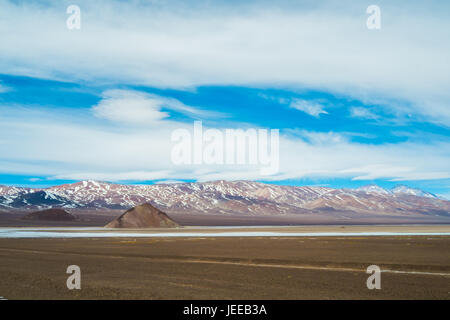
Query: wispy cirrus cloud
point(363, 113)
point(312, 108)
point(115, 176)
point(141, 108)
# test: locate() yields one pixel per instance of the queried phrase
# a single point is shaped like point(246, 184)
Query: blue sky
point(353, 106)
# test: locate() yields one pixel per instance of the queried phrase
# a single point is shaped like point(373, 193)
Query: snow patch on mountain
point(402, 189)
point(373, 188)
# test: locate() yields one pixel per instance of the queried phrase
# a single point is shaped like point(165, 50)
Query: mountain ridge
point(227, 197)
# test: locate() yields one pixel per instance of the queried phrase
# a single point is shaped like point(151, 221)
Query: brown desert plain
point(306, 267)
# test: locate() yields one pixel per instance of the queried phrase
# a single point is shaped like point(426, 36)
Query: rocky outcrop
point(143, 216)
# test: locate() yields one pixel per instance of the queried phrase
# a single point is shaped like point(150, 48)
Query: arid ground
point(227, 268)
point(99, 218)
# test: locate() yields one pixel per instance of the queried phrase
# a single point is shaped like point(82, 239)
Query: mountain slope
point(229, 198)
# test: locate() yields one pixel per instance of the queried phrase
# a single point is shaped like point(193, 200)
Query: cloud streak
point(363, 113)
point(309, 107)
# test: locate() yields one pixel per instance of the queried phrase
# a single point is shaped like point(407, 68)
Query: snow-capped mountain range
point(224, 197)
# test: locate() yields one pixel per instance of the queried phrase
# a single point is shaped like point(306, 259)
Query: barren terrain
point(227, 268)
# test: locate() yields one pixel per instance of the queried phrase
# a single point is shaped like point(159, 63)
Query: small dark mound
point(50, 215)
point(143, 216)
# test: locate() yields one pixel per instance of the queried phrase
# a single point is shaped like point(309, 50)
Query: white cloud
point(169, 182)
point(140, 108)
point(284, 44)
point(400, 173)
point(342, 158)
point(310, 107)
point(129, 107)
point(363, 113)
point(66, 144)
point(114, 176)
